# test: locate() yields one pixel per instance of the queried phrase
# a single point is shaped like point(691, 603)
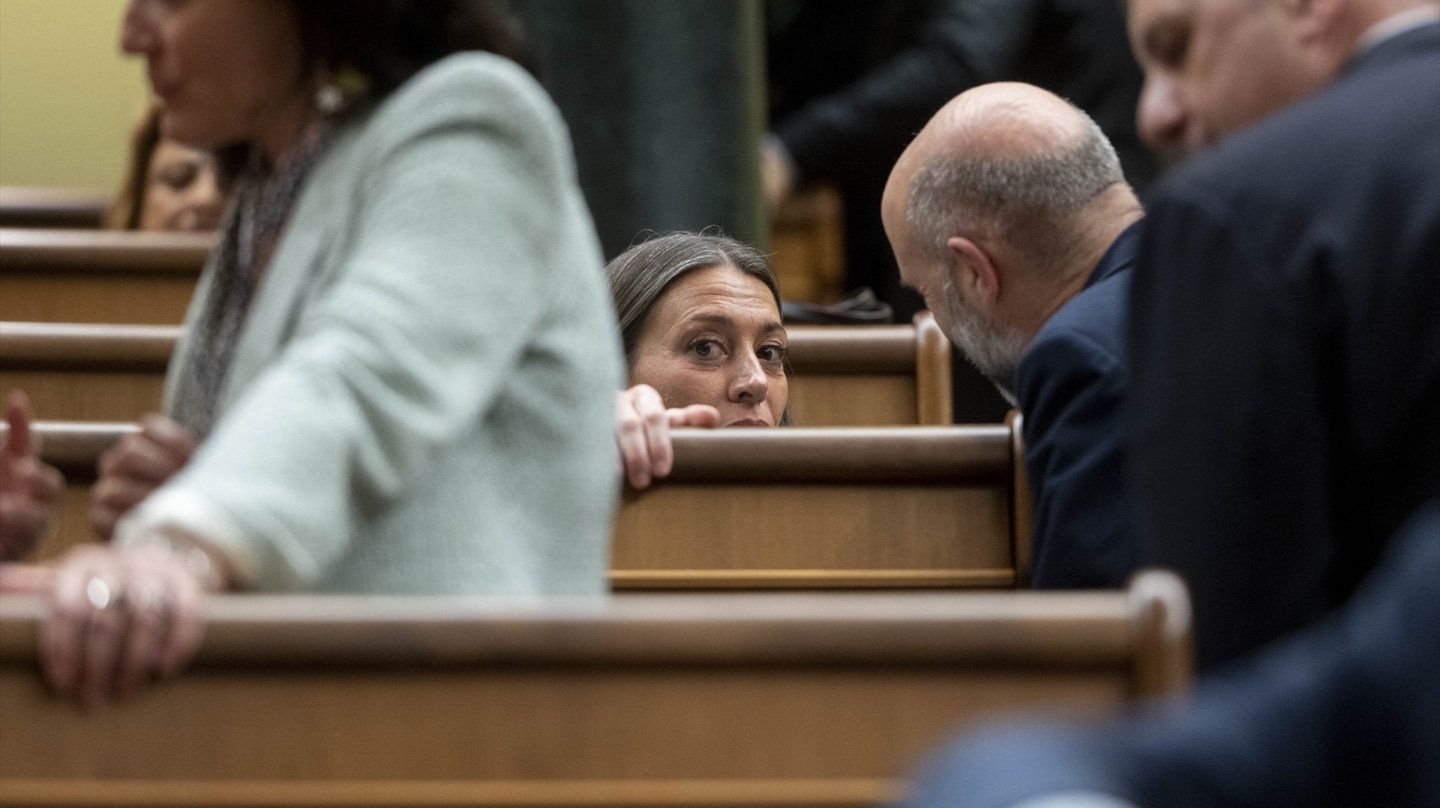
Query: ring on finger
point(103, 594)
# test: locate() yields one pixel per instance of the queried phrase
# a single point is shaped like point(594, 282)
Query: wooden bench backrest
point(917, 507)
point(25, 206)
point(840, 375)
point(693, 700)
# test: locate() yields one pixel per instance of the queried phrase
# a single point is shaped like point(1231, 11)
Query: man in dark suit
point(1345, 714)
point(1285, 329)
point(1010, 215)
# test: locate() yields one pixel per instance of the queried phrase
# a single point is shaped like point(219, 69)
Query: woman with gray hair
point(700, 322)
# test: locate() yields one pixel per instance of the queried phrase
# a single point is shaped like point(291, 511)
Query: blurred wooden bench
point(98, 276)
point(33, 206)
point(633, 700)
point(841, 375)
point(897, 508)
point(807, 246)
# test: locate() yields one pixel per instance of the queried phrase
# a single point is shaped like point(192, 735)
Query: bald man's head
point(1008, 164)
point(998, 209)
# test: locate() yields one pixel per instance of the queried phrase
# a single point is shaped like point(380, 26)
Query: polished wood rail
point(98, 276)
point(27, 206)
point(871, 508)
point(840, 375)
point(650, 700)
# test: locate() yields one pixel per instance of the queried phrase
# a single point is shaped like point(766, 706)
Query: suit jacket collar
point(1119, 257)
point(1420, 39)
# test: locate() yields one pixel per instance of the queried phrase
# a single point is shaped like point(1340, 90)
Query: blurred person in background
point(168, 186)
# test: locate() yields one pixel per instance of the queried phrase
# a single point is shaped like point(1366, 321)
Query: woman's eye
point(705, 348)
point(772, 353)
point(180, 175)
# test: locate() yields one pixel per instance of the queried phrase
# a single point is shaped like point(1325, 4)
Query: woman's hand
point(120, 616)
point(131, 470)
point(28, 487)
point(642, 428)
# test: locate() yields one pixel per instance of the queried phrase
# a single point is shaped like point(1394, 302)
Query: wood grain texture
point(918, 507)
point(650, 700)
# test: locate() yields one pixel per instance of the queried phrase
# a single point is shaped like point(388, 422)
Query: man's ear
point(973, 271)
point(1314, 20)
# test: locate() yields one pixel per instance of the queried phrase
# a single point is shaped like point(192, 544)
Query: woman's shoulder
point(467, 88)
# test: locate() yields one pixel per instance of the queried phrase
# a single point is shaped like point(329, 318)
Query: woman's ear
point(973, 270)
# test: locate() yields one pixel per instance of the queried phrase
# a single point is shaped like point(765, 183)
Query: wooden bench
point(25, 206)
point(897, 508)
point(98, 276)
point(841, 375)
point(633, 700)
point(807, 246)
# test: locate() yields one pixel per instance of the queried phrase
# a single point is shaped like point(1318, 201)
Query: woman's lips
point(747, 422)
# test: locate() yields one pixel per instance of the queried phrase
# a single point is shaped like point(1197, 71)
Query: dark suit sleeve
point(1345, 714)
point(960, 43)
point(1230, 456)
point(1070, 390)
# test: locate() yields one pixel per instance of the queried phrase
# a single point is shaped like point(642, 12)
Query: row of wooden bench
point(840, 375)
point(886, 508)
point(635, 700)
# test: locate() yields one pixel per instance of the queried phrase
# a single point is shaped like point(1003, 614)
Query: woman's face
point(182, 191)
point(225, 71)
point(715, 338)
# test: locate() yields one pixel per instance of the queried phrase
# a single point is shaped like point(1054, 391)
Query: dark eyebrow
point(726, 320)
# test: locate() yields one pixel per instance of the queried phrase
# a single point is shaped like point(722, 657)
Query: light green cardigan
point(421, 399)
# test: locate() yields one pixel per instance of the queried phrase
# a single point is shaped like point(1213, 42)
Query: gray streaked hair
point(1025, 202)
point(639, 276)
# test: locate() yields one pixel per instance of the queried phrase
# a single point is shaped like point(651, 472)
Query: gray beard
point(993, 347)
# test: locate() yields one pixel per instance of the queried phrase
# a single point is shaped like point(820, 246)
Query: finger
point(49, 482)
point(63, 631)
point(26, 579)
point(112, 498)
point(696, 415)
point(657, 434)
point(19, 440)
point(140, 458)
point(630, 436)
point(169, 435)
point(187, 623)
point(120, 494)
point(99, 656)
point(150, 618)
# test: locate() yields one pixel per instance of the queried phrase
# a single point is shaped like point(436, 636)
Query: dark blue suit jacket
point(1285, 350)
point(1345, 714)
point(1070, 385)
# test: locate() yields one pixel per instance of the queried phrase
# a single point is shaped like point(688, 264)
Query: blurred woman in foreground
point(704, 347)
point(397, 368)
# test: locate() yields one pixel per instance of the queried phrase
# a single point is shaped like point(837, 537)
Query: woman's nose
point(137, 27)
point(1161, 116)
point(205, 191)
point(749, 385)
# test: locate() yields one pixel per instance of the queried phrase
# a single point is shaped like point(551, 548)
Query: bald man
point(1010, 215)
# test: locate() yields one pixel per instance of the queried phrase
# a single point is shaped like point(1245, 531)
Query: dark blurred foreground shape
point(1346, 713)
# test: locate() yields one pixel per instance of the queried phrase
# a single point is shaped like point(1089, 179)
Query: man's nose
point(1161, 116)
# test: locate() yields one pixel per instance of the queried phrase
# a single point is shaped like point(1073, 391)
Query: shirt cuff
point(191, 513)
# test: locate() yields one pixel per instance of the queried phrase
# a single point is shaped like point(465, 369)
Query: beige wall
point(67, 96)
